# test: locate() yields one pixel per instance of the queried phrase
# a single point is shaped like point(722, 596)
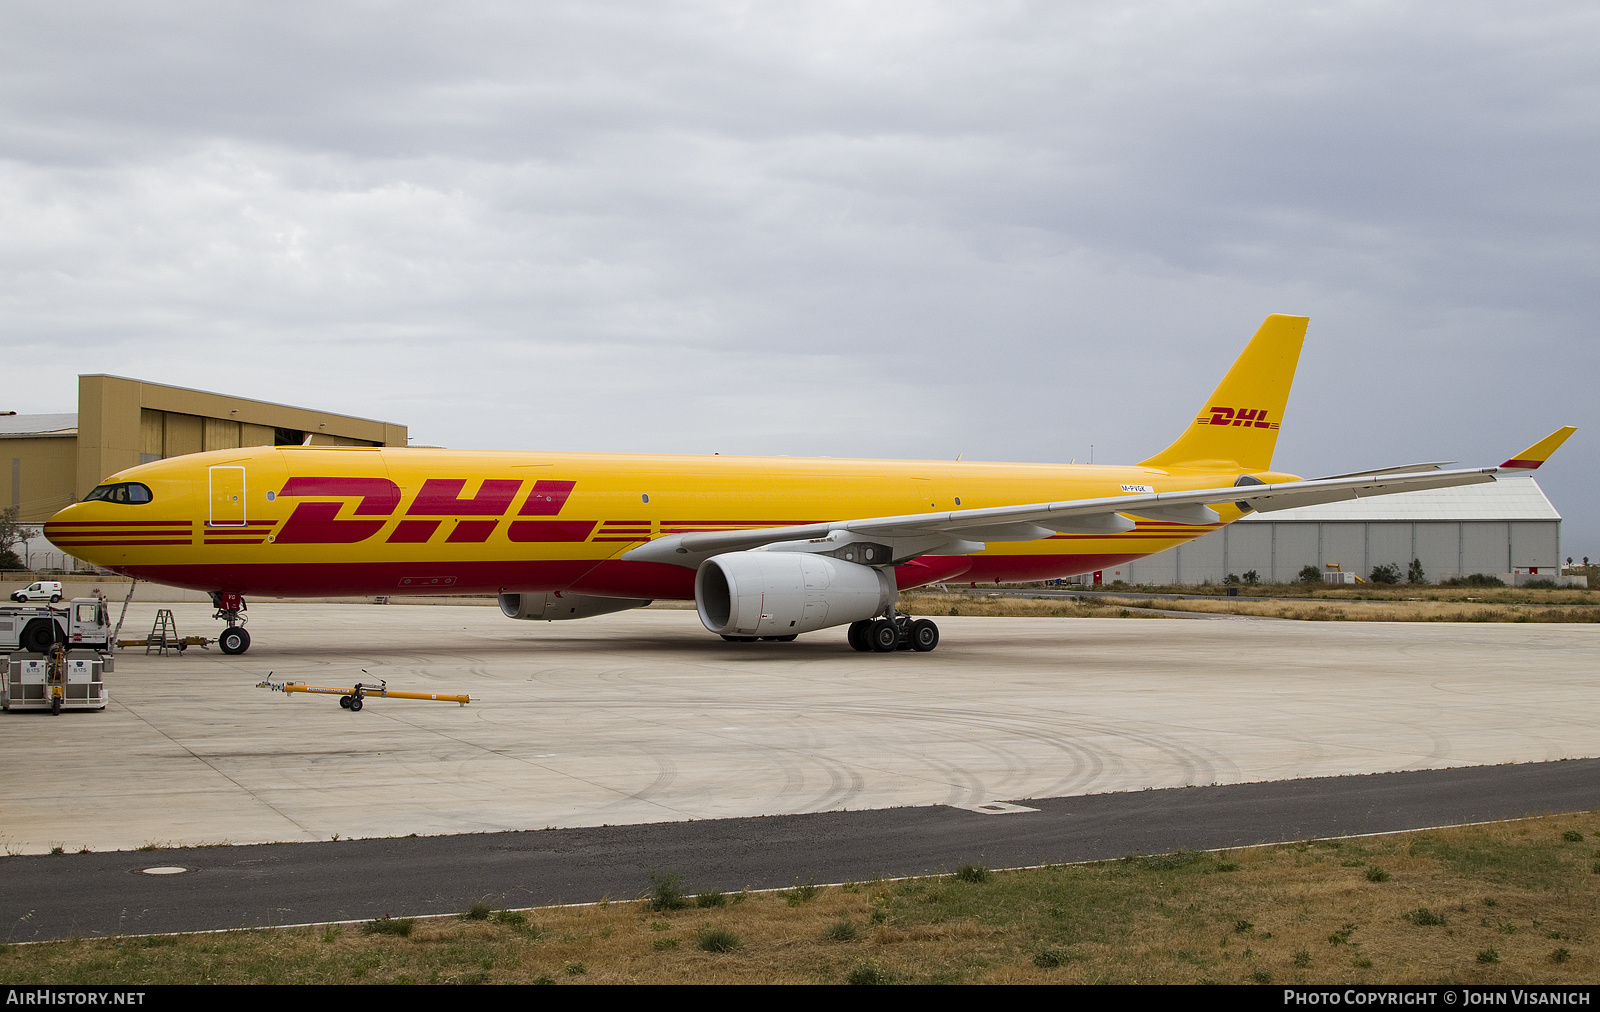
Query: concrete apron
point(645, 717)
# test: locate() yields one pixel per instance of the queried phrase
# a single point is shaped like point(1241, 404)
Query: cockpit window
point(122, 491)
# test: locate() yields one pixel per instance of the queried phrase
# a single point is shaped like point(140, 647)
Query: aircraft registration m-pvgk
point(767, 547)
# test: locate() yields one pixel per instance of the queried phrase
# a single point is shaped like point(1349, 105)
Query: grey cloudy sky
point(1008, 230)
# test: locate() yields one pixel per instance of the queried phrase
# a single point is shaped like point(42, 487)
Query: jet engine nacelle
point(760, 593)
point(556, 607)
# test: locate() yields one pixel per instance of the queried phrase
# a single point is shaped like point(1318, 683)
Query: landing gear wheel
point(857, 635)
point(234, 640)
point(924, 635)
point(355, 702)
point(884, 636)
point(344, 701)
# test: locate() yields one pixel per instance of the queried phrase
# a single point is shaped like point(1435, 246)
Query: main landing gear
point(230, 608)
point(893, 632)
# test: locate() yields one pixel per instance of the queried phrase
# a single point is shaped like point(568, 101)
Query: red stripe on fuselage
point(610, 578)
point(119, 523)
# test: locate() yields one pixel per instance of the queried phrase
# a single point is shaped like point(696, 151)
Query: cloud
point(892, 229)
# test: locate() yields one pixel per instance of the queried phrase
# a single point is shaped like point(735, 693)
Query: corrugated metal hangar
point(57, 458)
point(1506, 526)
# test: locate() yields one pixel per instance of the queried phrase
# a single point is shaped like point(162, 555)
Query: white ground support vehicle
point(84, 624)
point(44, 590)
point(59, 680)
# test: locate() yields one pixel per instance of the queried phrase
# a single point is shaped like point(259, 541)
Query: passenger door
point(227, 496)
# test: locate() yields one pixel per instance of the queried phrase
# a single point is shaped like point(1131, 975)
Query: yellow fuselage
point(307, 521)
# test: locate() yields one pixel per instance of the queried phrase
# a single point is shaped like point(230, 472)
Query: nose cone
point(70, 530)
point(113, 535)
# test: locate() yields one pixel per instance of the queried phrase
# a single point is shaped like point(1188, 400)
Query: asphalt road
point(54, 896)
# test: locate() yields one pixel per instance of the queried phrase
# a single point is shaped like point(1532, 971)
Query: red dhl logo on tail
point(318, 523)
point(1247, 417)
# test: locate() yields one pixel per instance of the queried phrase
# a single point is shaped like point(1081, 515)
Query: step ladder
point(163, 634)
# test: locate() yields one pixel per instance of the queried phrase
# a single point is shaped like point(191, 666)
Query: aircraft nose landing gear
point(230, 608)
point(893, 632)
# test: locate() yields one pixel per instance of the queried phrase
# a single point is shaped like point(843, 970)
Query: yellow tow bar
point(352, 698)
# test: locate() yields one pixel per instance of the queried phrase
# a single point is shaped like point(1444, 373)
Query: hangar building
point(49, 461)
point(1505, 527)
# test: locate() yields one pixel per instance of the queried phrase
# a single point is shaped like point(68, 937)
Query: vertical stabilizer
point(1238, 425)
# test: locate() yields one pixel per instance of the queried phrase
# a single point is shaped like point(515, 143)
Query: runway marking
point(995, 808)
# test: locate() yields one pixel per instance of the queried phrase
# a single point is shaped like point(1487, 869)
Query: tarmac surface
point(644, 717)
point(66, 895)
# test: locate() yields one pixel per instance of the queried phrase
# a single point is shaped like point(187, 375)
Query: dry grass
point(934, 604)
point(1385, 592)
point(1309, 912)
point(1314, 610)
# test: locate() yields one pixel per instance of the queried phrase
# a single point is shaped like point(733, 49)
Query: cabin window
point(122, 491)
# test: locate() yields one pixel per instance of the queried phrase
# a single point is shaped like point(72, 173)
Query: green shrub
point(1260, 977)
point(510, 918)
point(575, 969)
point(1488, 955)
point(477, 912)
point(1049, 959)
point(800, 894)
point(1572, 836)
point(1308, 574)
point(389, 926)
point(666, 891)
point(1422, 917)
point(711, 898)
point(1475, 580)
point(1302, 958)
point(1387, 573)
point(1560, 955)
point(841, 931)
point(1414, 573)
point(972, 873)
point(1376, 874)
point(869, 973)
point(711, 939)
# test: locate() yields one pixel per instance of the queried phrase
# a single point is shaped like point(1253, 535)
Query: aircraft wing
point(955, 532)
point(961, 532)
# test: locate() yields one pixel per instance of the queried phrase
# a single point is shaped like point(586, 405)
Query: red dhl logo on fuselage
point(1247, 417)
point(318, 523)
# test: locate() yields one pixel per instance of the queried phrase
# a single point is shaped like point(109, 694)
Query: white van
point(44, 590)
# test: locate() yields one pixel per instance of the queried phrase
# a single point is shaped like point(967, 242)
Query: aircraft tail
point(1238, 426)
